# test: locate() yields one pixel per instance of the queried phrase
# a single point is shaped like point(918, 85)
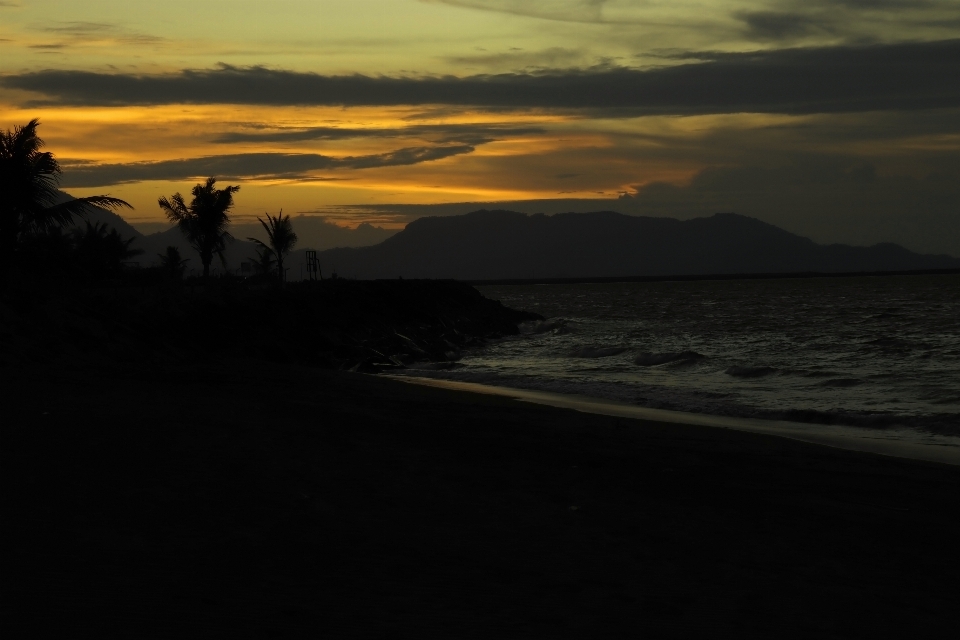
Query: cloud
point(77, 28)
point(472, 134)
point(827, 198)
point(842, 20)
point(520, 59)
point(789, 18)
point(247, 166)
point(561, 10)
point(774, 25)
point(804, 80)
point(79, 32)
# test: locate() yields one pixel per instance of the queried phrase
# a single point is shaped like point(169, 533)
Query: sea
point(875, 352)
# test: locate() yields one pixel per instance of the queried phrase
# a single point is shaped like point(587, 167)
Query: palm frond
point(175, 208)
point(261, 244)
point(63, 213)
point(204, 221)
point(28, 182)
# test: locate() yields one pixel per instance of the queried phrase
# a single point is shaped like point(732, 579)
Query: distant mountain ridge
point(494, 245)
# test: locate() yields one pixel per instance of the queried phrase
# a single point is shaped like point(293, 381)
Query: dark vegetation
point(205, 220)
point(32, 211)
point(280, 242)
point(69, 295)
point(358, 325)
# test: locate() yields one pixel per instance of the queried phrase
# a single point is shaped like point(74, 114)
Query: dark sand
point(247, 501)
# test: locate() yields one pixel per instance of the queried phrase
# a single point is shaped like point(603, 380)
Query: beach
point(250, 499)
point(898, 443)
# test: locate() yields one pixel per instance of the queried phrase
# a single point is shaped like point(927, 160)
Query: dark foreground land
point(211, 494)
point(225, 502)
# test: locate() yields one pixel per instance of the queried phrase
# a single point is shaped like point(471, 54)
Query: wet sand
point(899, 443)
point(249, 500)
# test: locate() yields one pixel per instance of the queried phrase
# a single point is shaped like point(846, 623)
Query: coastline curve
point(899, 443)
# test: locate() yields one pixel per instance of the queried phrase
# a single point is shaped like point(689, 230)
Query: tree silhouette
point(100, 252)
point(171, 263)
point(204, 222)
point(265, 263)
point(29, 198)
point(281, 239)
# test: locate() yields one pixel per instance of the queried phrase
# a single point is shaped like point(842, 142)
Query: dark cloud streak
point(466, 134)
point(247, 166)
point(774, 25)
point(811, 80)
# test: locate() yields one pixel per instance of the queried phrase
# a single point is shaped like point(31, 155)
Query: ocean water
point(881, 352)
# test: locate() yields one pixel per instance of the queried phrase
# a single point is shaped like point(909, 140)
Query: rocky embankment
point(339, 324)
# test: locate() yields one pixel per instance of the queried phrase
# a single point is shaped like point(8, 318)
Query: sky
point(835, 119)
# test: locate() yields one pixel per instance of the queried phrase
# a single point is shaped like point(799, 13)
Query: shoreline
point(789, 275)
point(882, 442)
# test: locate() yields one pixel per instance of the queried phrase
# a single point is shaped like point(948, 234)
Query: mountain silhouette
point(492, 245)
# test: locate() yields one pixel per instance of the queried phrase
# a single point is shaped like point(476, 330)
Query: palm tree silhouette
point(204, 222)
point(172, 264)
point(101, 251)
point(29, 198)
point(265, 264)
point(281, 239)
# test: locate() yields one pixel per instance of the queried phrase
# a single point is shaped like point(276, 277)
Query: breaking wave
point(597, 352)
point(871, 352)
point(655, 359)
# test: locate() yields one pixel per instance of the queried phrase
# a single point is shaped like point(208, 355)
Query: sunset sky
point(836, 119)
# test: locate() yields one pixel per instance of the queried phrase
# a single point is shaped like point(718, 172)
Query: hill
point(489, 245)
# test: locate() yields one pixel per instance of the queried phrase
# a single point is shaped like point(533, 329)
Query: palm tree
point(281, 239)
point(265, 264)
point(29, 198)
point(172, 264)
point(102, 252)
point(205, 221)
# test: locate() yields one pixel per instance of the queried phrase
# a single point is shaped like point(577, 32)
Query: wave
point(556, 326)
point(887, 342)
point(841, 382)
point(673, 399)
point(750, 372)
point(597, 352)
point(654, 359)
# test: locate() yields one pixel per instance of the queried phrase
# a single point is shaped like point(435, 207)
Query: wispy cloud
point(473, 134)
point(517, 58)
point(78, 28)
point(776, 25)
point(839, 20)
point(561, 10)
point(81, 32)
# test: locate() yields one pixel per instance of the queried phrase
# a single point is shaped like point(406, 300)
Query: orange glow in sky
point(331, 106)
